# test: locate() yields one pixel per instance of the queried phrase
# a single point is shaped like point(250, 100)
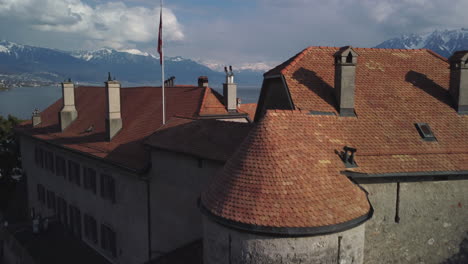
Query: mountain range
point(35, 65)
point(443, 42)
point(130, 66)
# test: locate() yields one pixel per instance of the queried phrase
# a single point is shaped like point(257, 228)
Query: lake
point(21, 101)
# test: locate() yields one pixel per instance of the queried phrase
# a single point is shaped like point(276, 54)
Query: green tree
point(9, 157)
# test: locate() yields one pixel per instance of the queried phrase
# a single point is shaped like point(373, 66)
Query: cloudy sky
point(223, 31)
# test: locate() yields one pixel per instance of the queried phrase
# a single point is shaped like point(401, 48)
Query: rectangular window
point(60, 167)
point(108, 187)
point(62, 211)
point(41, 193)
point(90, 228)
point(89, 179)
point(108, 240)
point(74, 172)
point(39, 157)
point(75, 221)
point(51, 200)
point(49, 160)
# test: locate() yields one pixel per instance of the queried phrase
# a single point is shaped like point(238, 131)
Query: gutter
point(361, 175)
point(228, 116)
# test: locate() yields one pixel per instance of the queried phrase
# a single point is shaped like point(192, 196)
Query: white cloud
point(112, 24)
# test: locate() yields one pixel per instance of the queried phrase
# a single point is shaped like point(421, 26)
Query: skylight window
point(425, 131)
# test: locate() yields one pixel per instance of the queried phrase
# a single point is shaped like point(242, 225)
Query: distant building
point(359, 156)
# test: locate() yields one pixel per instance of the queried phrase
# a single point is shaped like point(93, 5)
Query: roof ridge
point(202, 105)
point(436, 55)
point(297, 58)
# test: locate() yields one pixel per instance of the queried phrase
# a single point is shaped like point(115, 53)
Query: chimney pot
point(203, 81)
point(345, 78)
point(230, 91)
point(458, 88)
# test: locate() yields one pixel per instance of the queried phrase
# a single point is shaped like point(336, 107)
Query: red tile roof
point(213, 105)
point(285, 174)
point(141, 115)
point(287, 171)
point(249, 109)
point(207, 139)
point(383, 76)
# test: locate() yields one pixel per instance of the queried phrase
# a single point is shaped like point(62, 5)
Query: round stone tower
point(281, 199)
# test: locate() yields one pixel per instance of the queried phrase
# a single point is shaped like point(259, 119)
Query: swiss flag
point(160, 41)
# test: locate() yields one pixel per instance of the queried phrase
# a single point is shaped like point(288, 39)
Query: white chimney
point(68, 114)
point(230, 91)
point(36, 118)
point(113, 118)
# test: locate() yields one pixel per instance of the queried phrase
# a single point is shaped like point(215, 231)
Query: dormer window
point(349, 58)
point(425, 131)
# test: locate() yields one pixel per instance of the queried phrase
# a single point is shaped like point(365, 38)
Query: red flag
point(160, 40)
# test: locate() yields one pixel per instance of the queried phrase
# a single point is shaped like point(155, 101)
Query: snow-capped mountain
point(133, 66)
point(443, 42)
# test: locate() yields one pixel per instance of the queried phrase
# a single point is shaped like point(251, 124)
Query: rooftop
point(141, 115)
point(207, 139)
point(383, 77)
point(289, 172)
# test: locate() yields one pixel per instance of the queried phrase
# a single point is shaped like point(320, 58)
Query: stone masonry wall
point(432, 226)
point(223, 245)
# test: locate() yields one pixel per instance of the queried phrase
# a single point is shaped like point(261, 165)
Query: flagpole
point(162, 72)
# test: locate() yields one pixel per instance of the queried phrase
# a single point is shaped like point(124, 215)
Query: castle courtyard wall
point(177, 181)
point(428, 224)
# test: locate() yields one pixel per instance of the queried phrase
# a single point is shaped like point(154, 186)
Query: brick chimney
point(68, 114)
point(36, 118)
point(203, 81)
point(113, 118)
point(230, 91)
point(459, 81)
point(345, 79)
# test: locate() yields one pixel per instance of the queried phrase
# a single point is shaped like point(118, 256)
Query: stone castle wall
point(431, 224)
point(225, 245)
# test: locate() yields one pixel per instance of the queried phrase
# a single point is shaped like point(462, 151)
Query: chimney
point(203, 81)
point(36, 118)
point(459, 81)
point(68, 114)
point(113, 118)
point(345, 79)
point(230, 91)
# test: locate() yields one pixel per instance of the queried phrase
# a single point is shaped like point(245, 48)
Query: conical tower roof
point(285, 178)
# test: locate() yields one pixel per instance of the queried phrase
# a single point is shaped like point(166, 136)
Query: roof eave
point(362, 175)
point(139, 171)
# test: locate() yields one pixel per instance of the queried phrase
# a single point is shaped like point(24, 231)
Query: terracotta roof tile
point(249, 109)
point(212, 103)
point(208, 139)
point(281, 176)
point(287, 171)
point(141, 116)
